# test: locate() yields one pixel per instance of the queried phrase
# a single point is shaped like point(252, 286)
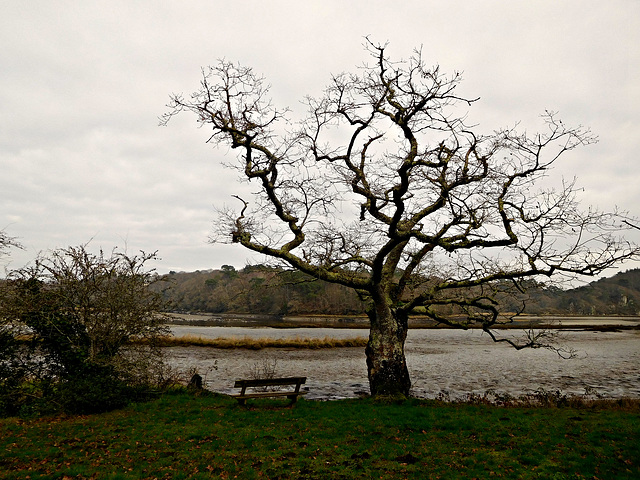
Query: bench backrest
point(268, 382)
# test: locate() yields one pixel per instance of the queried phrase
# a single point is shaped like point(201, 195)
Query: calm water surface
point(439, 360)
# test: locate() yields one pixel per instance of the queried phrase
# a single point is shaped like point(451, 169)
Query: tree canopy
point(384, 188)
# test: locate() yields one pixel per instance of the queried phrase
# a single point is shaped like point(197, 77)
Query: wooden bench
point(269, 382)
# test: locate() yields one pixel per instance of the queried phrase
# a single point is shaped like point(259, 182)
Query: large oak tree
point(384, 188)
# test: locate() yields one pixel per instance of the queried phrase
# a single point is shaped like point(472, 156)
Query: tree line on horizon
point(260, 289)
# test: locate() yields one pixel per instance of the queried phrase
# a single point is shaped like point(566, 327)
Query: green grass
point(181, 436)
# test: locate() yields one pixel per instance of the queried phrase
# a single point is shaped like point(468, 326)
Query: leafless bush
point(265, 368)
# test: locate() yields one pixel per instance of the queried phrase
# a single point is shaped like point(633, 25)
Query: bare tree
point(383, 188)
point(7, 242)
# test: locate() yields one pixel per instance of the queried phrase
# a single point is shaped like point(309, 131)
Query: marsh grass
point(260, 343)
point(209, 436)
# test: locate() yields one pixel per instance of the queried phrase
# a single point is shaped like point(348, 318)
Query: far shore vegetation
point(264, 290)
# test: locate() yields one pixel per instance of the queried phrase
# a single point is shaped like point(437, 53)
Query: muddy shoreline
point(608, 323)
point(453, 362)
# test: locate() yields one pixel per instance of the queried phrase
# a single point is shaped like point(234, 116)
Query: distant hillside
point(617, 295)
point(261, 290)
point(264, 290)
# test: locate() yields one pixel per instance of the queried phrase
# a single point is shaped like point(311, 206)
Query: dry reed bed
point(260, 343)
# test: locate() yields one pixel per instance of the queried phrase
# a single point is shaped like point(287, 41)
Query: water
point(455, 361)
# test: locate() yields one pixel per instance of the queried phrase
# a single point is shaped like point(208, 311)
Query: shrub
point(81, 329)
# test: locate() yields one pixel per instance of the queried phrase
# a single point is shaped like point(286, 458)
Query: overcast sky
point(82, 85)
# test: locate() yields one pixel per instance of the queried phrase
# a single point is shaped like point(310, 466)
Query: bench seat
point(269, 382)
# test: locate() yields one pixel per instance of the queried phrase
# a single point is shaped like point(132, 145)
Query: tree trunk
point(386, 363)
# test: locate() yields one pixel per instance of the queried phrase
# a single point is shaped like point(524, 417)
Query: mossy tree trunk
point(386, 362)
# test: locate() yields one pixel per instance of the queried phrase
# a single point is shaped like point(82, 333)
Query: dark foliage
point(260, 289)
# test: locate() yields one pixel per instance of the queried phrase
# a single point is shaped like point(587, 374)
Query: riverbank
point(181, 436)
point(422, 322)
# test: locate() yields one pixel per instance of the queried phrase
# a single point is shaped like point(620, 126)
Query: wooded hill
point(617, 295)
point(260, 289)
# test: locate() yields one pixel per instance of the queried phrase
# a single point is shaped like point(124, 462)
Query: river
point(457, 362)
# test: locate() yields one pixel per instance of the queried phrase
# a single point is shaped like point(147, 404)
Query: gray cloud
point(82, 86)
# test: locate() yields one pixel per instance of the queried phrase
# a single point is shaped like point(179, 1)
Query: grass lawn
point(209, 436)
